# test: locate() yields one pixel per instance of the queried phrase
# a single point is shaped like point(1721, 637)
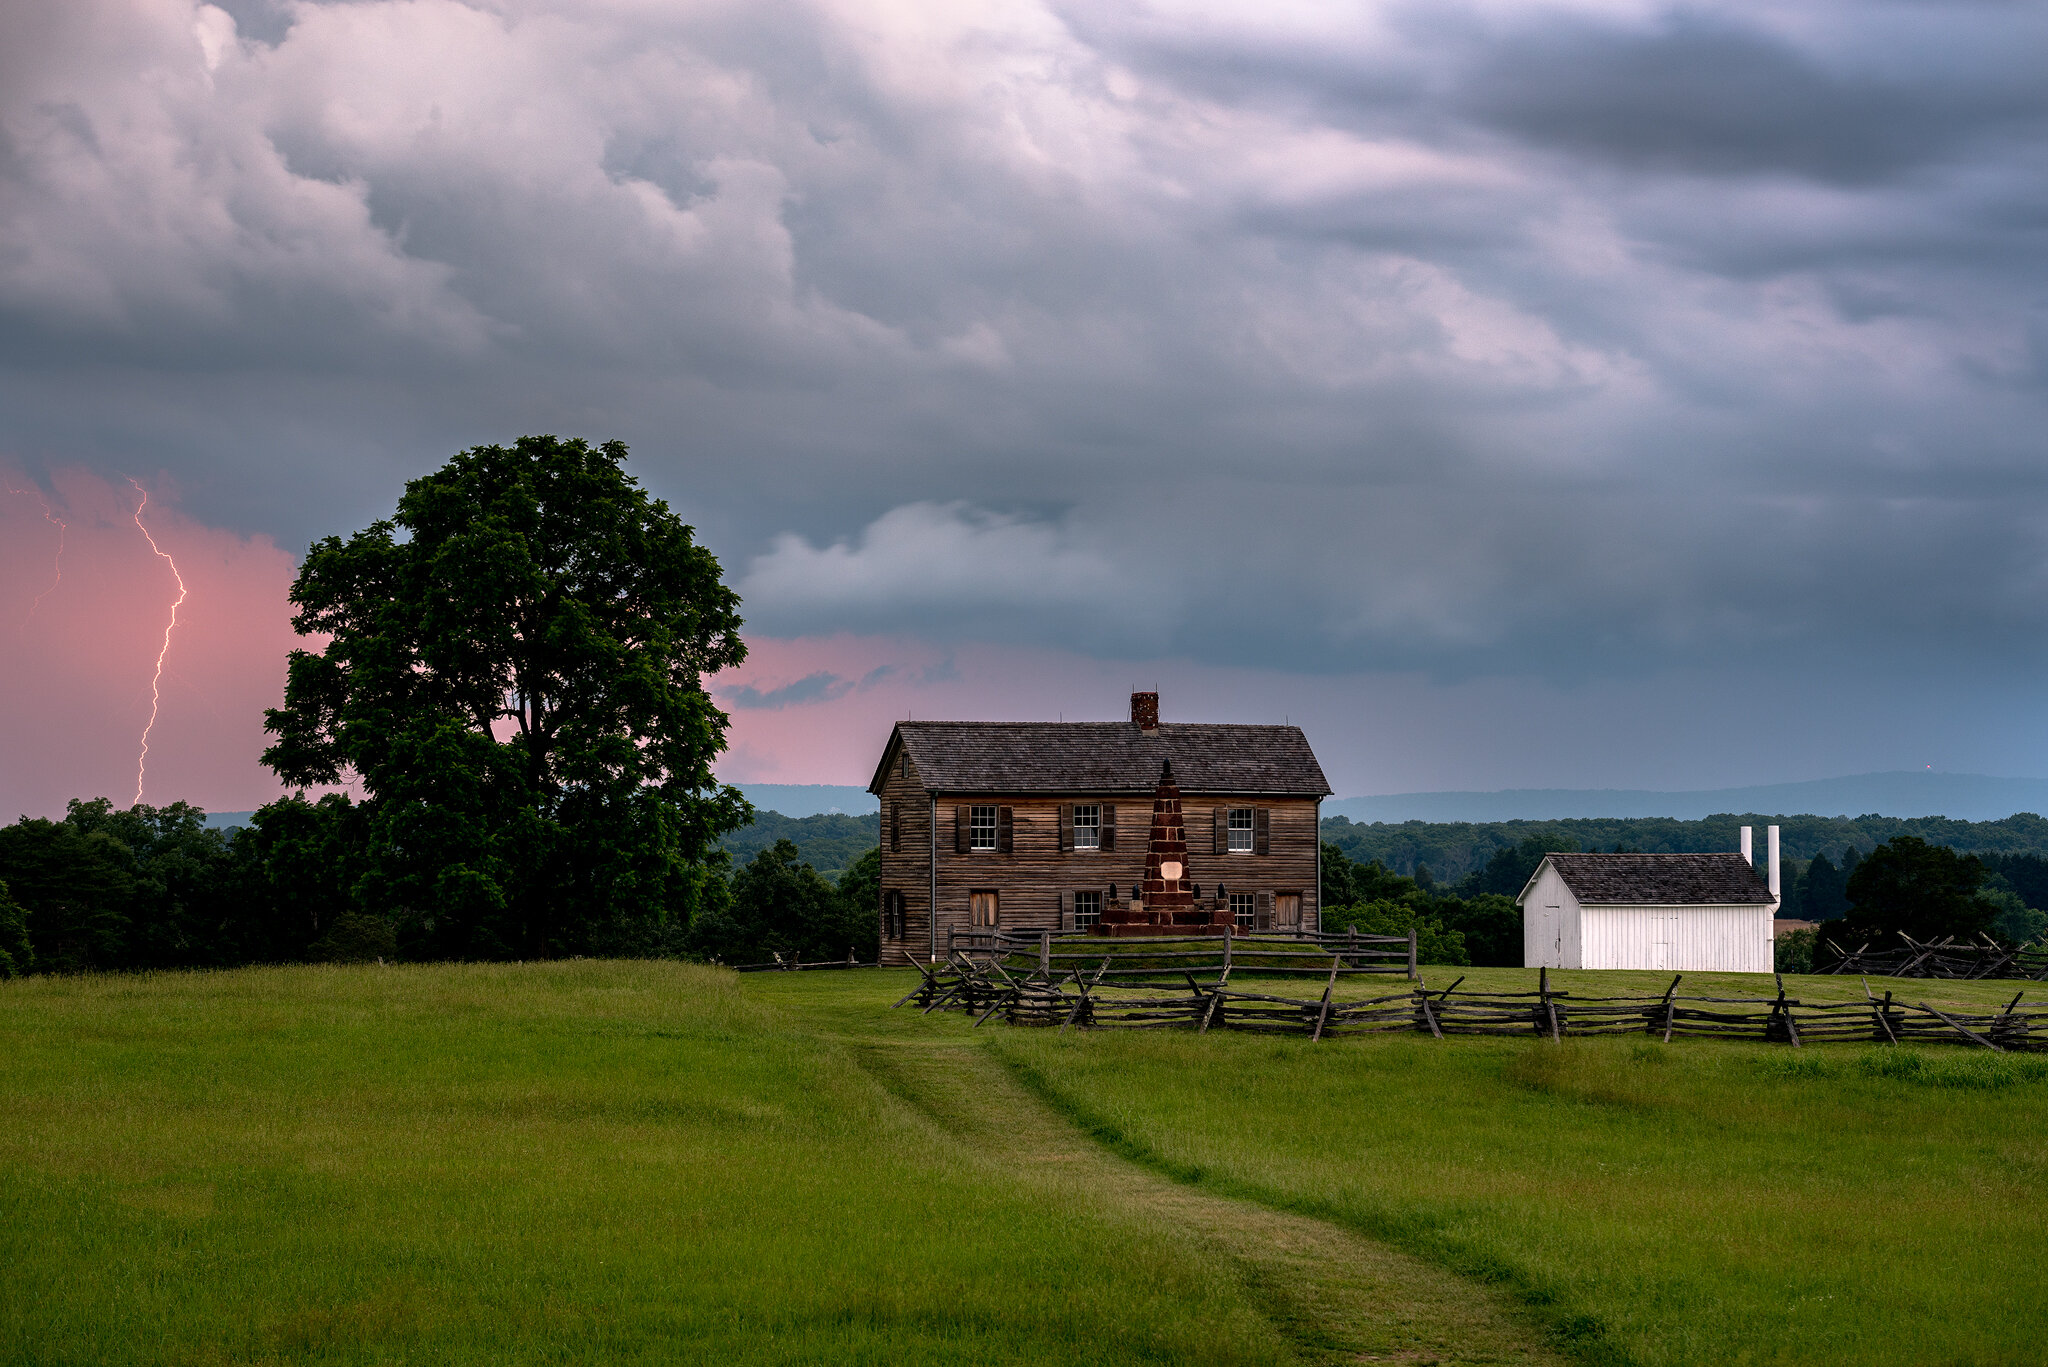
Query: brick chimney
point(1145, 712)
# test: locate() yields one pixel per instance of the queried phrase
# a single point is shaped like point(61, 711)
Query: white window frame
point(1244, 832)
point(1088, 826)
point(1244, 909)
point(1087, 909)
point(981, 828)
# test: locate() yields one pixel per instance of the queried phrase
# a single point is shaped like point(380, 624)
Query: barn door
point(1553, 917)
point(983, 908)
point(1287, 911)
point(1664, 940)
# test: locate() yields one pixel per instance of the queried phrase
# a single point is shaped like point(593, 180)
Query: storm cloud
point(1561, 341)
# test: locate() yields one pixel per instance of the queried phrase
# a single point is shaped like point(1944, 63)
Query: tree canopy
point(781, 905)
point(1926, 891)
point(513, 675)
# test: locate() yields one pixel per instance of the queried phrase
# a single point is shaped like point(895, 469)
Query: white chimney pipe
point(1748, 857)
point(1771, 846)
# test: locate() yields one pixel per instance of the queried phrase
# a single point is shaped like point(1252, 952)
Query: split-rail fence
point(1945, 958)
point(1067, 981)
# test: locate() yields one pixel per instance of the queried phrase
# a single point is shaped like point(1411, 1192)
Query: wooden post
point(1323, 1016)
point(1229, 933)
point(1543, 990)
point(1670, 1007)
point(1045, 953)
point(1411, 951)
point(1881, 1012)
point(1429, 1016)
point(1784, 1012)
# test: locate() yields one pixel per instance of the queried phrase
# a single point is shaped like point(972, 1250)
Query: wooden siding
point(906, 862)
point(1035, 876)
point(1697, 939)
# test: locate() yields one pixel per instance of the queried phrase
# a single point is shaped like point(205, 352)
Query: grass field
point(1701, 1202)
point(616, 1162)
point(645, 1162)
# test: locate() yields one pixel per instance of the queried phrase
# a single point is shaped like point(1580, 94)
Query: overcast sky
point(1600, 394)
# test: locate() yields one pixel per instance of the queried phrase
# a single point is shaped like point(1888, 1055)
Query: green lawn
point(1702, 1202)
point(616, 1162)
point(651, 1162)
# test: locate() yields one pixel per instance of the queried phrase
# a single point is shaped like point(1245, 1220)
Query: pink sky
point(78, 663)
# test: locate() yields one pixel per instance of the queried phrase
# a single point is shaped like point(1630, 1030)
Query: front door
point(1287, 910)
point(982, 906)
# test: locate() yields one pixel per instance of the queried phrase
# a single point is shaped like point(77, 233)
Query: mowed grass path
point(622, 1162)
point(1703, 1202)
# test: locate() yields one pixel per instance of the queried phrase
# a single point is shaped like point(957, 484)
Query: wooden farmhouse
point(1073, 826)
point(1680, 912)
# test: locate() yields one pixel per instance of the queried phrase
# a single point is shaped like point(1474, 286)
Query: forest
point(1453, 850)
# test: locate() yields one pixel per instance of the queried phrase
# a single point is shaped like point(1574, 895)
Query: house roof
point(1658, 880)
point(1105, 757)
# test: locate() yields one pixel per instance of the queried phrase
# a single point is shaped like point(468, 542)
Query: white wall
point(1724, 939)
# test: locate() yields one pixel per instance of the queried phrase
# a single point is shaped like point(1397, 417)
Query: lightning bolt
point(57, 564)
point(155, 695)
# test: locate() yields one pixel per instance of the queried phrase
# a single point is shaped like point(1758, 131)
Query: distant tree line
point(1452, 851)
point(1464, 925)
point(832, 841)
point(156, 888)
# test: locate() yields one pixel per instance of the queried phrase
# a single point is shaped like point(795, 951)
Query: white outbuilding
point(1680, 912)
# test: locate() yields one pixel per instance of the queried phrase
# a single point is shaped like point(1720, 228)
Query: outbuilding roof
point(1658, 880)
point(1105, 757)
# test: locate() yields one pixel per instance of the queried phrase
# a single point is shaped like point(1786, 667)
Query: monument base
point(1120, 923)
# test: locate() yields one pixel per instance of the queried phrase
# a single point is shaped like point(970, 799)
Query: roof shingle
point(1106, 757)
point(1661, 879)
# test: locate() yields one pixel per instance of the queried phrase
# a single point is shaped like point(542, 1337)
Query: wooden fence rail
point(1049, 952)
point(1945, 958)
point(791, 965)
point(1073, 995)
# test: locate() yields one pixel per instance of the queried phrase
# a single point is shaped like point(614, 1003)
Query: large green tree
point(513, 675)
point(1906, 884)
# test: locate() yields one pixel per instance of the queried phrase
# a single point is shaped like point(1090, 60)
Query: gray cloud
point(1721, 99)
point(821, 686)
point(1409, 337)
